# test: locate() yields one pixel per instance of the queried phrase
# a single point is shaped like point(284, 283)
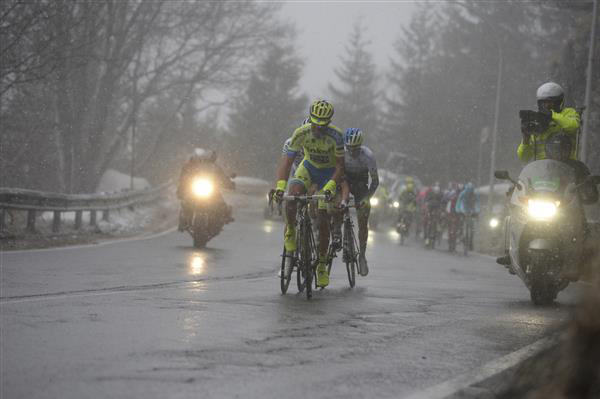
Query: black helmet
point(559, 147)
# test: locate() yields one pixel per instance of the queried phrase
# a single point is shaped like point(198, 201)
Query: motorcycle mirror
point(502, 175)
point(595, 180)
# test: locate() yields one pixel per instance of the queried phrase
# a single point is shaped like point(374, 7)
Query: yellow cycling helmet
point(321, 112)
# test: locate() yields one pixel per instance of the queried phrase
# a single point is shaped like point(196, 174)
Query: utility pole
point(485, 133)
point(495, 129)
point(588, 86)
point(133, 127)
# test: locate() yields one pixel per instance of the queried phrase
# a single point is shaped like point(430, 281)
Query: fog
point(430, 83)
point(324, 29)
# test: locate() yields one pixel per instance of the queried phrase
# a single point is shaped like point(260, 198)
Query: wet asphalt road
point(156, 318)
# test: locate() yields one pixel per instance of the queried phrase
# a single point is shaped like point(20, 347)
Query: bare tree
point(108, 60)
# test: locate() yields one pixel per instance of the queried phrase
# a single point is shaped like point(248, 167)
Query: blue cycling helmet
point(353, 137)
point(469, 187)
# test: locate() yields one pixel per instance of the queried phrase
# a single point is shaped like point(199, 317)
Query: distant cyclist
point(407, 205)
point(467, 206)
point(468, 201)
point(361, 178)
point(433, 208)
point(323, 166)
point(453, 219)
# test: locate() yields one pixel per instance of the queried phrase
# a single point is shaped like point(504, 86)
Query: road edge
point(491, 379)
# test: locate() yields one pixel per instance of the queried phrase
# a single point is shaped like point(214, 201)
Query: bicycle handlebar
point(314, 197)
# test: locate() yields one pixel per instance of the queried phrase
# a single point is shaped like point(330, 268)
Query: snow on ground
point(113, 180)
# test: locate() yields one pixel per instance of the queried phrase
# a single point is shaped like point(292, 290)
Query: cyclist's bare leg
point(323, 232)
point(336, 213)
point(290, 206)
point(363, 228)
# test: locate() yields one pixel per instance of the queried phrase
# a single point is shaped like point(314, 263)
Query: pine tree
point(267, 113)
point(356, 98)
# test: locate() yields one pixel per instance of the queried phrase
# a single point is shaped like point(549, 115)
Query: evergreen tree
point(267, 113)
point(356, 98)
point(442, 92)
point(406, 99)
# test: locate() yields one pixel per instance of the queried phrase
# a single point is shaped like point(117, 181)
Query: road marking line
point(98, 244)
point(453, 386)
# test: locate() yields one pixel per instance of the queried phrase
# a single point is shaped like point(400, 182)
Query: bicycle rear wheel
point(465, 237)
point(306, 256)
point(285, 278)
point(468, 236)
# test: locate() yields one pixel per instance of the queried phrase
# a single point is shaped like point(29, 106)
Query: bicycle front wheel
point(350, 254)
point(285, 278)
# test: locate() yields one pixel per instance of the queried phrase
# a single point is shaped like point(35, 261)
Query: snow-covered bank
point(249, 195)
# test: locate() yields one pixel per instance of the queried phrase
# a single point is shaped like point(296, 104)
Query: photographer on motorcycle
point(539, 127)
point(202, 162)
point(550, 119)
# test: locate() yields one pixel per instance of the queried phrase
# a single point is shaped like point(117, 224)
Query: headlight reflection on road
point(268, 227)
point(196, 264)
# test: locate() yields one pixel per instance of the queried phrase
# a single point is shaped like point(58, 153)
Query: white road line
point(98, 244)
point(453, 386)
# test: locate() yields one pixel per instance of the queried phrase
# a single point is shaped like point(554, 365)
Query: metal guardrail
point(37, 201)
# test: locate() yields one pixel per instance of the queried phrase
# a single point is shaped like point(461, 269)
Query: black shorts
point(359, 190)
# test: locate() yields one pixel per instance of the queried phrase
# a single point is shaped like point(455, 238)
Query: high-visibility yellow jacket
point(566, 121)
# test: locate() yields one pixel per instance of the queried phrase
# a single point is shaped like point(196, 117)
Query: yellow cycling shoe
point(290, 239)
point(322, 275)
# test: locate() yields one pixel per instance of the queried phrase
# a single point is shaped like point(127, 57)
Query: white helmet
point(204, 155)
point(553, 92)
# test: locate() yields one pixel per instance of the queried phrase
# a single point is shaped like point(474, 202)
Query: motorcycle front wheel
point(542, 288)
point(199, 231)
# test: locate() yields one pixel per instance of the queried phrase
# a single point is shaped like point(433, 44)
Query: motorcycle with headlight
point(545, 231)
point(209, 211)
point(375, 214)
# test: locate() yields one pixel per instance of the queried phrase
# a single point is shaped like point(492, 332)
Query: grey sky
point(324, 28)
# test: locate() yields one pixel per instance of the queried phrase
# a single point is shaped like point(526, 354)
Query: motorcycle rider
point(323, 165)
point(201, 162)
point(558, 120)
point(359, 165)
point(555, 117)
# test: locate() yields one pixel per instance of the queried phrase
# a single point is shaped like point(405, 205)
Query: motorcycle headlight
point(396, 204)
point(541, 209)
point(374, 201)
point(494, 222)
point(202, 187)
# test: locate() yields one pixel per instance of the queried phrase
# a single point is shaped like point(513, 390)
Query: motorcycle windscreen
point(547, 176)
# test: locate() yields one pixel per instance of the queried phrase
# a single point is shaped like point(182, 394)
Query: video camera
point(534, 122)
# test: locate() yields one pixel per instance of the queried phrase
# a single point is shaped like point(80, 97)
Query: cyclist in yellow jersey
point(323, 166)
